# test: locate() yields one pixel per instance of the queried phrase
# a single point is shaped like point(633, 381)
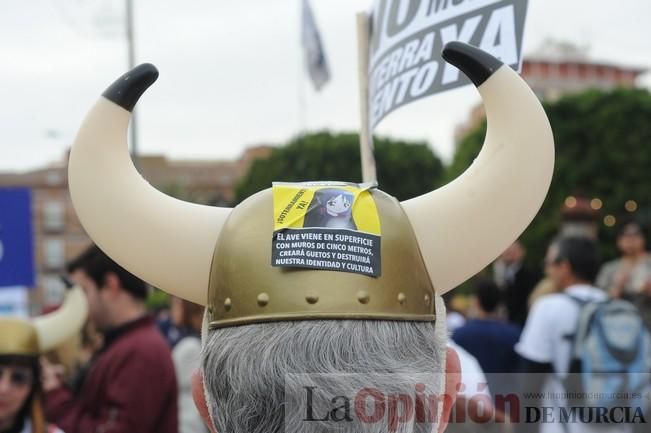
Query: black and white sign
point(407, 37)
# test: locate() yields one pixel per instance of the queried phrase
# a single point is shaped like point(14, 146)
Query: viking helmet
point(31, 337)
point(221, 257)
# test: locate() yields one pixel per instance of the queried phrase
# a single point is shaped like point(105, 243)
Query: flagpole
point(302, 106)
point(369, 173)
point(131, 56)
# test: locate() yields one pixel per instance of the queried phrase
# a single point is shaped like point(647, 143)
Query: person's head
point(260, 371)
point(572, 260)
point(22, 342)
point(19, 386)
point(513, 254)
point(114, 294)
point(630, 239)
point(186, 314)
point(488, 295)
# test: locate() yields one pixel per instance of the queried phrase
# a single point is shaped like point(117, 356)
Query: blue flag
point(16, 238)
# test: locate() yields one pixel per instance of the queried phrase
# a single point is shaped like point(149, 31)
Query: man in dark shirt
point(517, 281)
point(490, 339)
point(130, 385)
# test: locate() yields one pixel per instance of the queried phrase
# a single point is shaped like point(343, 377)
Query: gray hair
point(255, 376)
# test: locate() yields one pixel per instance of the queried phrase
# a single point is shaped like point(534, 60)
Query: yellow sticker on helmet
point(326, 225)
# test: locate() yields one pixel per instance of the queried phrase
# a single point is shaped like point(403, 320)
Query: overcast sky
point(230, 71)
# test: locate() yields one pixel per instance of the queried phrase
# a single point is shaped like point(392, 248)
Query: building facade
point(58, 235)
point(557, 69)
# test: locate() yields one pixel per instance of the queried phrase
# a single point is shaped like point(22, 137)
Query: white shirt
point(454, 321)
point(543, 340)
point(186, 356)
point(552, 317)
point(472, 376)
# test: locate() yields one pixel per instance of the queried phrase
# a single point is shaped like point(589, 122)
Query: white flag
point(315, 60)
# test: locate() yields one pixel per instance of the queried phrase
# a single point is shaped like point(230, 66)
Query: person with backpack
point(602, 342)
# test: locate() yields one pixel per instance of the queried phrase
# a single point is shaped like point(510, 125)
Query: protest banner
point(407, 37)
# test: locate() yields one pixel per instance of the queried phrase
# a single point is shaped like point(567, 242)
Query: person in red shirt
point(130, 385)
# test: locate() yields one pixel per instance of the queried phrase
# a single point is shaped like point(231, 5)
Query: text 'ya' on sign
point(407, 37)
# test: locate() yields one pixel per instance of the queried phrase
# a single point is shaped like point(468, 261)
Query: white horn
point(463, 226)
point(55, 328)
point(167, 242)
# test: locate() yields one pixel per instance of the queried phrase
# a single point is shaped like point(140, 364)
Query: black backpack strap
point(572, 366)
point(580, 303)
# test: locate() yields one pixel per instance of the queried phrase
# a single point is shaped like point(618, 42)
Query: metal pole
point(132, 63)
point(369, 173)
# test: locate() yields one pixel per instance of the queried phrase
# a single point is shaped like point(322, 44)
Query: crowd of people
point(530, 331)
point(124, 375)
point(132, 370)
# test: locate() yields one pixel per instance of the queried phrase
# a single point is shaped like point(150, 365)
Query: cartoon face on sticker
point(339, 205)
point(331, 208)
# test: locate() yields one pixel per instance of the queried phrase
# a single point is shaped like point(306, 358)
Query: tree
point(603, 150)
point(404, 169)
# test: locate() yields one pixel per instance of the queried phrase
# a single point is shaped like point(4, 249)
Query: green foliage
point(603, 149)
point(156, 300)
point(404, 169)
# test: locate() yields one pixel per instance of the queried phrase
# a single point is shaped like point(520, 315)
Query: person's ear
point(476, 306)
point(452, 380)
point(199, 398)
point(565, 267)
point(112, 283)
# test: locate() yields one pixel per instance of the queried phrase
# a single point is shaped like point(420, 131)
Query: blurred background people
point(164, 322)
point(22, 341)
point(454, 318)
point(131, 384)
point(187, 318)
point(544, 287)
point(74, 354)
point(629, 276)
point(571, 264)
point(488, 338)
point(21, 395)
point(517, 281)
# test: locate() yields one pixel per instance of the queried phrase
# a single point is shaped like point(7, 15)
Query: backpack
point(610, 359)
